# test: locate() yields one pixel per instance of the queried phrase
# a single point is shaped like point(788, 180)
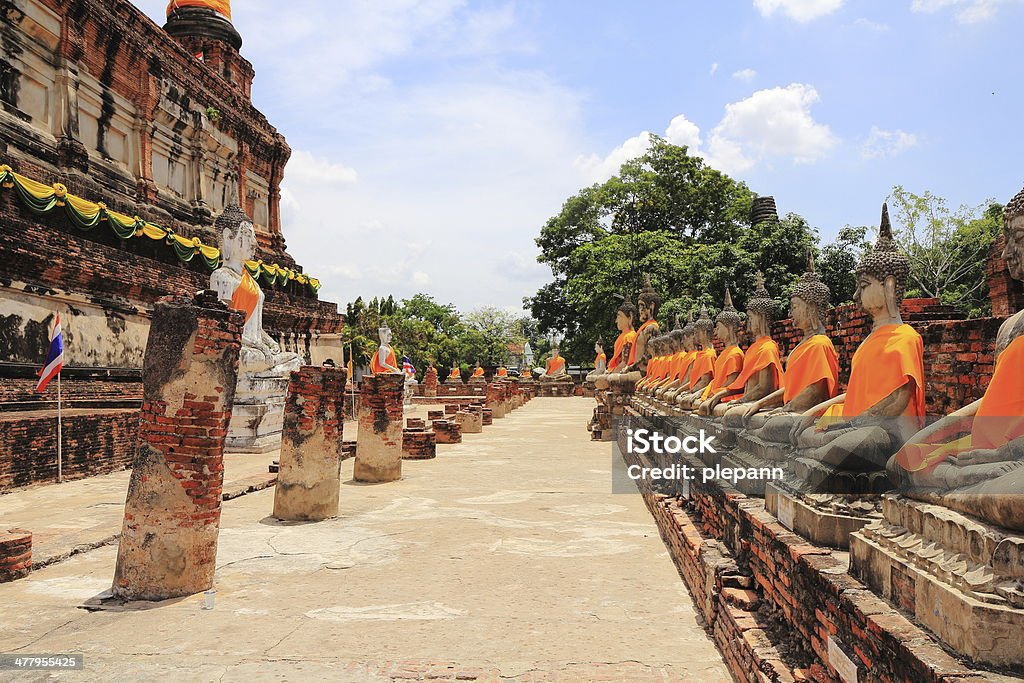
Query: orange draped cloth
point(502, 372)
point(683, 369)
point(627, 337)
point(375, 366)
point(890, 357)
point(479, 372)
point(455, 373)
point(632, 351)
point(554, 365)
point(600, 357)
point(763, 353)
point(703, 363)
point(222, 6)
point(671, 370)
point(246, 296)
point(999, 420)
point(813, 360)
point(729, 362)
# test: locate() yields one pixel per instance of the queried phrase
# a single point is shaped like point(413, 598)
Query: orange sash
point(683, 369)
point(703, 363)
point(600, 357)
point(627, 337)
point(455, 373)
point(632, 351)
point(729, 362)
point(502, 372)
point(999, 420)
point(813, 360)
point(479, 372)
point(763, 353)
point(375, 366)
point(555, 365)
point(246, 296)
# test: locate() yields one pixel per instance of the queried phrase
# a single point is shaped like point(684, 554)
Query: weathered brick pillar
point(415, 423)
point(470, 421)
point(434, 415)
point(495, 400)
point(447, 431)
point(487, 416)
point(419, 444)
point(15, 554)
point(379, 440)
point(309, 479)
point(451, 408)
point(430, 382)
point(168, 542)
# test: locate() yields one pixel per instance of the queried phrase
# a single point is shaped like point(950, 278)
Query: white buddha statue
point(260, 353)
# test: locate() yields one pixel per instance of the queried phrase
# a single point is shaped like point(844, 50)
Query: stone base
point(470, 422)
point(960, 578)
point(418, 444)
point(15, 554)
point(811, 518)
point(556, 389)
point(257, 415)
point(446, 431)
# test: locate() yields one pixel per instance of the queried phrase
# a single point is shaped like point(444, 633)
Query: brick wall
point(94, 442)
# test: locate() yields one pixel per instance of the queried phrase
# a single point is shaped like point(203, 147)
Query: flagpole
point(60, 452)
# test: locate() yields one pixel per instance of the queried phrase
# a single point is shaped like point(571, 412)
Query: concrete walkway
point(506, 558)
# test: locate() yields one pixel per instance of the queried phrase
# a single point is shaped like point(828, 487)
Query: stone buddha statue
point(729, 362)
point(812, 368)
point(702, 370)
point(554, 369)
point(671, 355)
point(478, 374)
point(973, 459)
point(625, 320)
point(656, 366)
point(884, 402)
point(384, 361)
point(648, 304)
point(455, 376)
point(259, 353)
point(762, 362)
point(680, 379)
point(600, 360)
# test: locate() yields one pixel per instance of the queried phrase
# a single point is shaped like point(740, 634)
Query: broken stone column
point(496, 399)
point(309, 479)
point(379, 440)
point(168, 544)
point(430, 382)
point(447, 431)
point(15, 554)
point(419, 443)
point(471, 422)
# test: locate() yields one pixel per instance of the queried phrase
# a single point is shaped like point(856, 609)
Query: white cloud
point(870, 25)
point(745, 75)
point(682, 131)
point(775, 122)
point(801, 11)
point(714, 69)
point(881, 144)
point(303, 167)
point(971, 11)
point(596, 169)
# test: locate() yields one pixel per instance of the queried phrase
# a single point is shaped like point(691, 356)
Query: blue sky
point(433, 138)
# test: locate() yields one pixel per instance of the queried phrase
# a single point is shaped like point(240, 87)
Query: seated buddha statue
point(455, 376)
point(702, 370)
point(729, 363)
point(973, 459)
point(383, 361)
point(657, 366)
point(502, 371)
point(600, 360)
point(625, 320)
point(478, 374)
point(680, 379)
point(812, 368)
point(554, 369)
point(236, 287)
point(648, 304)
point(673, 352)
point(884, 402)
point(762, 363)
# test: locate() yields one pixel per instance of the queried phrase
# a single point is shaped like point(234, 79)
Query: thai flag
point(407, 367)
point(54, 358)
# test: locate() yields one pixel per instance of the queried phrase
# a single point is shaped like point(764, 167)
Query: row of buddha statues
point(971, 460)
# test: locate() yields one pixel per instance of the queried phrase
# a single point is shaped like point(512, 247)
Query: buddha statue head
point(809, 300)
point(237, 237)
point(648, 302)
point(727, 323)
point(384, 332)
point(1013, 230)
point(760, 307)
point(689, 330)
point(599, 346)
point(702, 328)
point(882, 275)
point(677, 335)
point(625, 317)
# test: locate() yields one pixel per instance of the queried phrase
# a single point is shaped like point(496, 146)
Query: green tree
point(838, 261)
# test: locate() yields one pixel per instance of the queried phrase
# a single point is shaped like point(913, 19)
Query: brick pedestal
point(419, 444)
point(487, 417)
point(469, 421)
point(379, 440)
point(415, 423)
point(434, 415)
point(15, 554)
point(430, 382)
point(168, 542)
point(451, 408)
point(447, 431)
point(496, 399)
point(309, 479)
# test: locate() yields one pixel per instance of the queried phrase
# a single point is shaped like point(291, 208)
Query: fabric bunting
point(86, 215)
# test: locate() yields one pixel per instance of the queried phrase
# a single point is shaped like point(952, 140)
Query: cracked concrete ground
point(505, 558)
